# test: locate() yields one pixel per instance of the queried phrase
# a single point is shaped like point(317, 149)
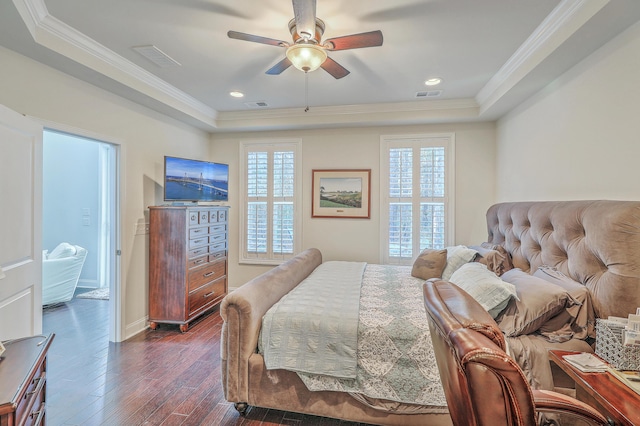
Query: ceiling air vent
point(259, 104)
point(156, 56)
point(429, 94)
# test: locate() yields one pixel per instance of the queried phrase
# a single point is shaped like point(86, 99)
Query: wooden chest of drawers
point(23, 380)
point(187, 262)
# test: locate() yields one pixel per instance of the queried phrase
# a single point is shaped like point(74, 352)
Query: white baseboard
point(136, 327)
point(88, 283)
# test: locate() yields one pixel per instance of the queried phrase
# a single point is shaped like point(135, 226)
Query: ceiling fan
point(308, 52)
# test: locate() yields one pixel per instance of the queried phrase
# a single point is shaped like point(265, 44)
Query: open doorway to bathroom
point(80, 209)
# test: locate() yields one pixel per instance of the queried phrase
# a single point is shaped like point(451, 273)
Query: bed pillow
point(429, 264)
point(582, 313)
point(552, 275)
point(456, 257)
point(538, 301)
point(482, 249)
point(484, 286)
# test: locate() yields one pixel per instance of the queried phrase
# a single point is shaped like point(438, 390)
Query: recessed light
point(236, 94)
point(433, 81)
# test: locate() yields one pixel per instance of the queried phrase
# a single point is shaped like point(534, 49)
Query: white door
point(20, 225)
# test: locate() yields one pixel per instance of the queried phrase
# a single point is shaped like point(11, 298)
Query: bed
point(593, 243)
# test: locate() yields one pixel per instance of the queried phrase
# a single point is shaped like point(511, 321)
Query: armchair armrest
point(60, 276)
point(554, 402)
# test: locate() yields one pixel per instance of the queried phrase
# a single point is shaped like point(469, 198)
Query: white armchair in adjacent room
point(60, 272)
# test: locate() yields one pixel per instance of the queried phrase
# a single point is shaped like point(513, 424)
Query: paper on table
point(629, 378)
point(586, 362)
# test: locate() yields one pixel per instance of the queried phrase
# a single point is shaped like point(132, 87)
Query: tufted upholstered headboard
point(596, 243)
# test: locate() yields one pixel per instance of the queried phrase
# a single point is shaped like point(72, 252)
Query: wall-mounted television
point(194, 180)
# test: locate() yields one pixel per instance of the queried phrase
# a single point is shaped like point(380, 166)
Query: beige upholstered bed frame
point(597, 243)
point(245, 379)
point(594, 242)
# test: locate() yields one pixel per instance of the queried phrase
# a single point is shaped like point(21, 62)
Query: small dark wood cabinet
point(23, 368)
point(187, 262)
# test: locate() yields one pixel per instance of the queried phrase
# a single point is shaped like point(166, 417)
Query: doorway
point(80, 207)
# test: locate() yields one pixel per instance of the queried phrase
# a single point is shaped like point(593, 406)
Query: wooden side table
point(23, 381)
point(616, 401)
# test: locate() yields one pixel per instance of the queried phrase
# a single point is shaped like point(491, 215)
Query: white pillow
point(484, 286)
point(456, 257)
point(63, 250)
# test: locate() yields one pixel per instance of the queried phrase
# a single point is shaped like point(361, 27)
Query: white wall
point(580, 137)
point(359, 148)
point(145, 136)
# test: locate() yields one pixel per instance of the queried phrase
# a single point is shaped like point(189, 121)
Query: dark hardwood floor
point(161, 377)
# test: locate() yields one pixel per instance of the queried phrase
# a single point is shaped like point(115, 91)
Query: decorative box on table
point(609, 346)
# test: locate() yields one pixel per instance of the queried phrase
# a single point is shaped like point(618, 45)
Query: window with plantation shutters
point(271, 211)
point(416, 193)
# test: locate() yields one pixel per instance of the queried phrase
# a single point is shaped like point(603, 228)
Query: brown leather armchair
point(483, 385)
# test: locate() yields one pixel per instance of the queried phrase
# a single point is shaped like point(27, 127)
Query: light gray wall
point(71, 198)
point(580, 137)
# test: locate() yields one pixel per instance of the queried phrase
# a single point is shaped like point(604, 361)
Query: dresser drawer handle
point(199, 261)
point(198, 241)
point(40, 415)
point(209, 294)
point(208, 274)
point(197, 231)
point(37, 389)
point(198, 251)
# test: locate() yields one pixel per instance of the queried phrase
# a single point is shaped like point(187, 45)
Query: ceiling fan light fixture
point(306, 57)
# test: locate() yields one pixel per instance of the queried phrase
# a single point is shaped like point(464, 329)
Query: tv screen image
point(195, 180)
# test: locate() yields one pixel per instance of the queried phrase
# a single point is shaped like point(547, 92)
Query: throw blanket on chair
point(314, 328)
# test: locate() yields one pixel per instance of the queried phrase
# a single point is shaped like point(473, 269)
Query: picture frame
point(344, 193)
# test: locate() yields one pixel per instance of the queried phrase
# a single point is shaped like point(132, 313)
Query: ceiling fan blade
point(279, 67)
point(355, 41)
point(257, 39)
point(305, 15)
point(334, 68)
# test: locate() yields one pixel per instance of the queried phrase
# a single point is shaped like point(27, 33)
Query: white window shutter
point(270, 208)
point(417, 189)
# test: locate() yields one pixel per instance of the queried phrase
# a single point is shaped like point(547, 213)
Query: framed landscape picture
point(341, 193)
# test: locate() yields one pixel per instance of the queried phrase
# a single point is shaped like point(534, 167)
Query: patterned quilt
point(395, 356)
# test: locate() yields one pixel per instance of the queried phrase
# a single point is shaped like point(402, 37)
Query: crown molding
point(54, 34)
point(347, 110)
point(432, 111)
point(557, 27)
